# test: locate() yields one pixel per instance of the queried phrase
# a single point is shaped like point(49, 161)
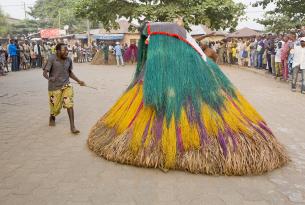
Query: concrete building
point(123, 34)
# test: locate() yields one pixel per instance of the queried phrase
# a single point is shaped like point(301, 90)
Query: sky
point(15, 8)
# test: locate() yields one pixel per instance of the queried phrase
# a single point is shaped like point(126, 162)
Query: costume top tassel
point(147, 40)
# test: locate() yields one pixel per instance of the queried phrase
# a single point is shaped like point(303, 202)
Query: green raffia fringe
point(176, 73)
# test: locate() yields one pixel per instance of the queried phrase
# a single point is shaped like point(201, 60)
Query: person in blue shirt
point(12, 53)
point(118, 54)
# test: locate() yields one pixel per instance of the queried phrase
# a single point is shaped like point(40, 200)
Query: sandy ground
point(43, 165)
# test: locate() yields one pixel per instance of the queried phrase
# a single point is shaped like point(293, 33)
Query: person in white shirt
point(299, 65)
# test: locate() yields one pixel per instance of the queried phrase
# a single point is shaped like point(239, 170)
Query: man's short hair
point(58, 46)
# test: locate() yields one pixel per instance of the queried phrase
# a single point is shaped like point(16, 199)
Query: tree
point(278, 23)
point(24, 27)
point(4, 26)
point(57, 13)
point(286, 15)
point(213, 13)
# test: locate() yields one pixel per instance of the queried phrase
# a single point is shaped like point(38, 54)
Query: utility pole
point(59, 19)
point(24, 8)
point(88, 31)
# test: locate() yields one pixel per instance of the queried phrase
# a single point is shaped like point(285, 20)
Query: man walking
point(57, 71)
point(118, 54)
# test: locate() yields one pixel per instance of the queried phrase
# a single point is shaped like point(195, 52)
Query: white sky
point(15, 8)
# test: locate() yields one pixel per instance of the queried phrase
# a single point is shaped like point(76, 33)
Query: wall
point(130, 36)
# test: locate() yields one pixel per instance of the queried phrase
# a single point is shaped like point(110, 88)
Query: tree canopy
point(213, 13)
point(4, 26)
point(286, 15)
point(24, 27)
point(57, 13)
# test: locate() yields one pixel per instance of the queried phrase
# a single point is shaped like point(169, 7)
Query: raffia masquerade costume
point(181, 112)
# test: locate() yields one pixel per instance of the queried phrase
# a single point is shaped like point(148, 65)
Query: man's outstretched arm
point(73, 76)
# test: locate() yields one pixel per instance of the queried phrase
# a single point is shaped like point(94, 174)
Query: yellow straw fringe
point(139, 127)
point(235, 121)
point(150, 133)
point(212, 121)
point(130, 112)
point(247, 109)
point(169, 143)
point(190, 136)
point(116, 112)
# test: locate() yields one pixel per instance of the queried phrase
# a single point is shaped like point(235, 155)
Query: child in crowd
point(278, 64)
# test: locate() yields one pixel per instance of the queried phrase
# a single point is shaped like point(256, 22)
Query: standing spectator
point(260, 52)
point(252, 52)
point(70, 52)
point(44, 53)
point(277, 59)
point(255, 52)
point(239, 48)
point(18, 54)
point(74, 53)
point(234, 53)
point(131, 54)
point(267, 43)
point(2, 61)
point(124, 49)
point(248, 49)
point(52, 48)
point(4, 58)
point(221, 52)
point(33, 56)
point(284, 57)
point(12, 53)
point(272, 51)
point(243, 53)
point(79, 53)
point(265, 60)
point(47, 50)
point(299, 64)
point(229, 52)
point(27, 54)
point(293, 43)
point(118, 54)
point(106, 52)
point(37, 51)
point(22, 56)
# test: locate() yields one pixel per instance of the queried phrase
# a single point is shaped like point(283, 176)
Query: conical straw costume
point(181, 112)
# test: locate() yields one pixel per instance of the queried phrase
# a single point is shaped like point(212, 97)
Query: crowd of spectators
point(280, 55)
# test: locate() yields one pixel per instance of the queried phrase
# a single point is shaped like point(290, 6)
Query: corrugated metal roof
point(244, 32)
point(204, 30)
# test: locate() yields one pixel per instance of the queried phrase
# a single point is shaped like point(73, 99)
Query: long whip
point(88, 86)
